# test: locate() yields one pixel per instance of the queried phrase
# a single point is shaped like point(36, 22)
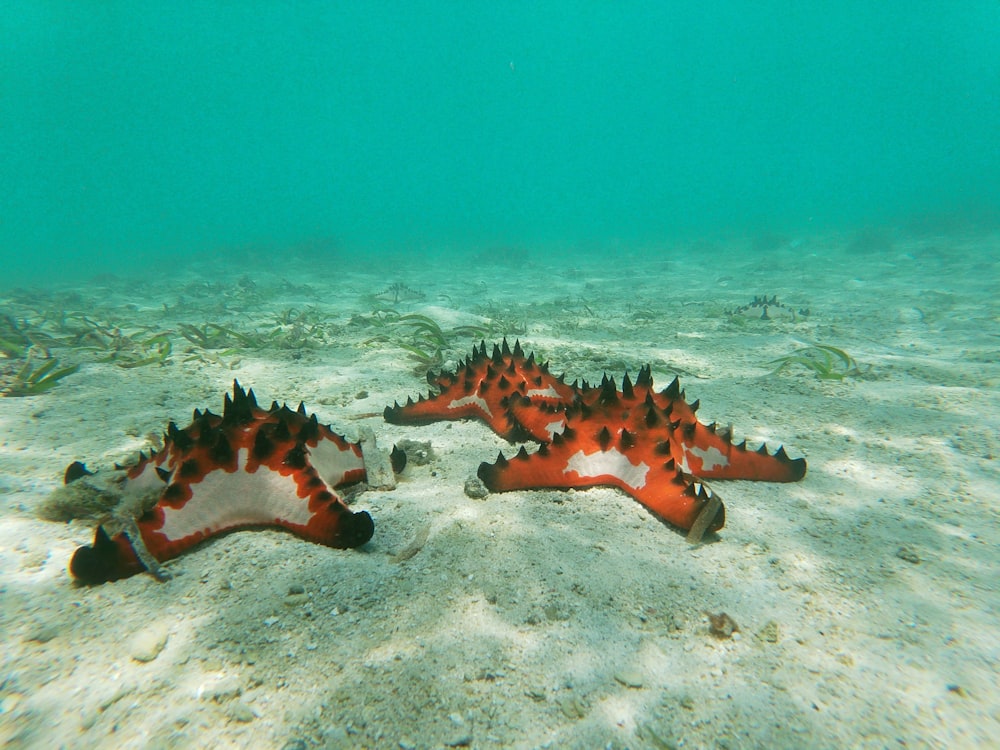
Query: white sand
point(548, 618)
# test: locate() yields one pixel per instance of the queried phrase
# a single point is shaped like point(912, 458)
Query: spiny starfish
point(248, 467)
point(482, 388)
point(648, 443)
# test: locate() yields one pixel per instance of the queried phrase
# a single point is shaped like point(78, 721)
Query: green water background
point(140, 135)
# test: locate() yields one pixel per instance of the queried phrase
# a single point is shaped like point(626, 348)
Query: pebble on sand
point(147, 644)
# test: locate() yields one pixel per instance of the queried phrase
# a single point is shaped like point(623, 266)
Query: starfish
point(249, 467)
point(483, 386)
point(648, 443)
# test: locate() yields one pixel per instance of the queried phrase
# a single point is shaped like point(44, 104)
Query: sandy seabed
point(866, 595)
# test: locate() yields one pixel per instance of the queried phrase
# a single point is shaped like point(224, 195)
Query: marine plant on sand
point(131, 352)
point(827, 362)
point(18, 336)
point(292, 329)
point(30, 381)
point(115, 343)
point(422, 337)
point(215, 336)
point(13, 340)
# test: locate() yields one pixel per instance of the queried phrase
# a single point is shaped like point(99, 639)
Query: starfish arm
point(107, 559)
point(668, 493)
point(705, 452)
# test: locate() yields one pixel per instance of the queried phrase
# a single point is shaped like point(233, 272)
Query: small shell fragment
point(148, 643)
point(631, 678)
point(721, 625)
point(415, 545)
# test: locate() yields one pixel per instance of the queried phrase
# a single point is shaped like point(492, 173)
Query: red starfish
point(482, 388)
point(248, 467)
point(648, 443)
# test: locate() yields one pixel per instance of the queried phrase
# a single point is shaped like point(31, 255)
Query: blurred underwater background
point(137, 136)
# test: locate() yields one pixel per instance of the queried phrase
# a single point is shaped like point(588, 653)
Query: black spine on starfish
point(76, 470)
point(626, 440)
point(627, 391)
point(398, 459)
point(94, 564)
point(673, 391)
point(238, 410)
point(609, 392)
point(645, 377)
point(178, 437)
point(604, 438)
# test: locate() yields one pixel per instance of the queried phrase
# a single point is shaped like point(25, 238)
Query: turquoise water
point(149, 133)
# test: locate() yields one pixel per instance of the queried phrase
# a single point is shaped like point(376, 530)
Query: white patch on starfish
point(458, 403)
point(223, 500)
point(548, 392)
point(711, 458)
point(332, 462)
point(555, 427)
point(608, 463)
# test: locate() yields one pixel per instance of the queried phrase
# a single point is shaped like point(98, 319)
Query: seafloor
point(866, 595)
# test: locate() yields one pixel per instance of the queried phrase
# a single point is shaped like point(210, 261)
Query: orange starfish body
point(249, 467)
point(648, 443)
